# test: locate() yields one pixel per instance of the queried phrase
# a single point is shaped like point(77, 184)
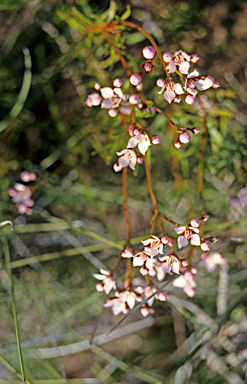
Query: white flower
point(117, 305)
point(108, 282)
point(128, 158)
point(142, 141)
point(170, 264)
point(187, 283)
point(188, 234)
point(212, 259)
point(140, 258)
point(112, 97)
point(172, 91)
point(156, 246)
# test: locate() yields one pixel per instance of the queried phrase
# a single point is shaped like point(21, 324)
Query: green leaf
point(135, 38)
point(126, 14)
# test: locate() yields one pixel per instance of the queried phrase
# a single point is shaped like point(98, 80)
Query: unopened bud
point(194, 58)
point(97, 86)
point(135, 79)
point(131, 130)
point(148, 52)
point(139, 160)
point(117, 83)
point(204, 217)
point(160, 83)
point(177, 144)
point(213, 239)
point(184, 137)
point(134, 99)
point(167, 56)
point(112, 112)
point(116, 167)
point(195, 130)
point(139, 87)
point(155, 139)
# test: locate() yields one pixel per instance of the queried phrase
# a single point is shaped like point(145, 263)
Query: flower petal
point(169, 96)
point(195, 240)
point(107, 92)
point(184, 67)
point(182, 242)
point(179, 230)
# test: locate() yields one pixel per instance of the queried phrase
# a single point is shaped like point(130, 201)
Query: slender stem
point(175, 159)
point(151, 191)
point(169, 220)
point(9, 271)
point(125, 206)
point(117, 264)
point(158, 110)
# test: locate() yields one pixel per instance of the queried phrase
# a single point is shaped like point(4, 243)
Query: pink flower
point(212, 259)
point(117, 304)
point(108, 282)
point(146, 310)
point(180, 59)
point(134, 99)
point(140, 258)
point(172, 90)
point(130, 297)
point(93, 100)
point(170, 263)
point(112, 97)
point(21, 195)
point(194, 81)
point(155, 247)
point(128, 158)
point(187, 283)
point(28, 176)
point(141, 141)
point(135, 79)
point(188, 234)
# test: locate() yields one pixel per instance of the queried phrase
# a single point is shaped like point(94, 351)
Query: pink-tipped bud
point(167, 56)
point(116, 167)
point(195, 223)
point(177, 144)
point(22, 208)
point(140, 105)
point(139, 160)
point(97, 86)
point(148, 52)
point(29, 203)
point(12, 192)
point(165, 239)
point(100, 287)
point(143, 271)
point(185, 263)
point(195, 130)
point(160, 83)
point(177, 99)
point(155, 139)
point(205, 246)
point(216, 85)
point(136, 132)
point(193, 270)
point(29, 211)
point(128, 253)
point(117, 83)
point(189, 99)
point(144, 311)
point(204, 217)
point(112, 112)
point(32, 176)
point(134, 99)
point(126, 283)
point(135, 79)
point(184, 137)
point(194, 58)
point(139, 87)
point(162, 296)
point(131, 130)
point(25, 176)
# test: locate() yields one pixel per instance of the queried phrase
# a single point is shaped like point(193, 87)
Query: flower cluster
point(179, 62)
point(21, 194)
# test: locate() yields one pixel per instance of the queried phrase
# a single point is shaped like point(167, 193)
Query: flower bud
point(97, 86)
point(193, 270)
point(131, 130)
point(139, 87)
point(213, 239)
point(189, 99)
point(165, 239)
point(148, 52)
point(160, 83)
point(171, 241)
point(167, 56)
point(177, 144)
point(135, 79)
point(136, 132)
point(184, 137)
point(112, 112)
point(134, 99)
point(155, 139)
point(128, 253)
point(195, 223)
point(204, 217)
point(194, 58)
point(117, 83)
point(162, 296)
point(205, 246)
point(117, 168)
point(195, 130)
point(184, 263)
point(139, 160)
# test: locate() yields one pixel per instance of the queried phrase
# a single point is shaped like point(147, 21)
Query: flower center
point(128, 155)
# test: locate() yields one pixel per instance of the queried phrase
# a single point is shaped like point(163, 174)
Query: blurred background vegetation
point(77, 225)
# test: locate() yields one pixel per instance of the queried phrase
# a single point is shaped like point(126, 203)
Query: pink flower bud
point(112, 112)
point(177, 144)
point(135, 79)
point(29, 211)
point(139, 160)
point(29, 202)
point(144, 311)
point(195, 130)
point(117, 168)
point(136, 132)
point(128, 253)
point(117, 83)
point(193, 270)
point(155, 139)
point(100, 287)
point(131, 130)
point(194, 58)
point(126, 283)
point(25, 176)
point(12, 192)
point(139, 87)
point(177, 99)
point(195, 223)
point(134, 99)
point(213, 239)
point(167, 56)
point(205, 246)
point(160, 83)
point(162, 296)
point(97, 86)
point(165, 239)
point(216, 85)
point(184, 263)
point(184, 137)
point(22, 208)
point(148, 52)
point(32, 176)
point(204, 217)
point(140, 105)
point(189, 99)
